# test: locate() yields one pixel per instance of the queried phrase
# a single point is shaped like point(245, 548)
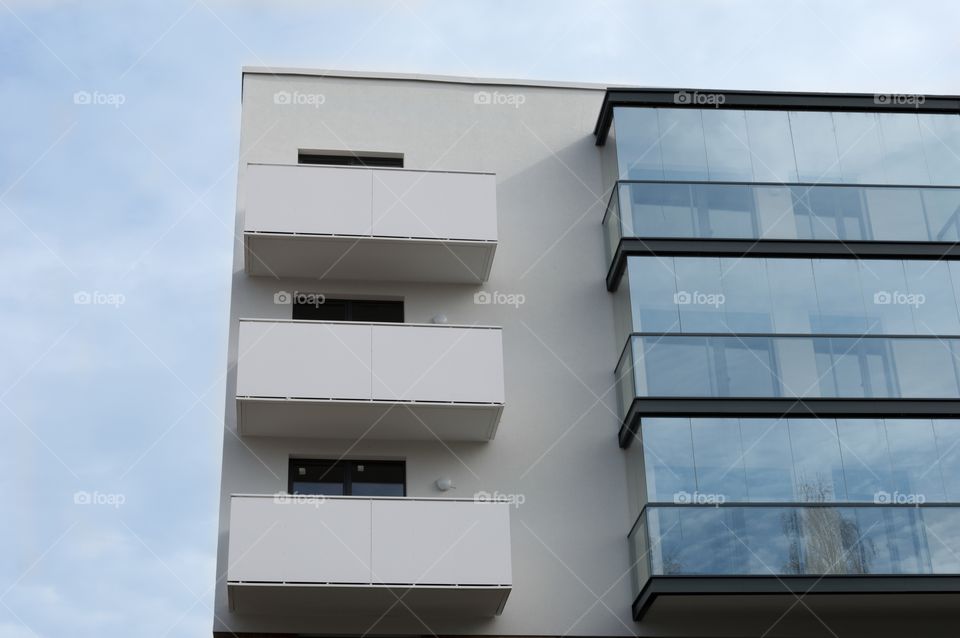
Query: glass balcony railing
point(794, 540)
point(736, 210)
point(791, 367)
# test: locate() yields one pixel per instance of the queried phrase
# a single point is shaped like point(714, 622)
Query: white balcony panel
point(299, 540)
point(369, 224)
point(301, 199)
point(301, 359)
point(341, 380)
point(316, 556)
point(430, 364)
point(430, 545)
point(435, 205)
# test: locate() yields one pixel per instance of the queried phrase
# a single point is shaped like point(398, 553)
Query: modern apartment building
point(537, 359)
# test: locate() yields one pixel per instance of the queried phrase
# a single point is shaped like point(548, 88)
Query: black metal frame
point(791, 586)
point(768, 101)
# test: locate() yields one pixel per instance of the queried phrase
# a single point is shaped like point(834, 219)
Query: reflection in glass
point(815, 146)
point(745, 211)
point(784, 541)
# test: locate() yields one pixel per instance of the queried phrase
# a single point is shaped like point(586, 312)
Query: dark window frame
point(350, 308)
point(364, 160)
point(348, 467)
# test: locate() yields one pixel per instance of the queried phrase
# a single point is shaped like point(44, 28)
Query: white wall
point(556, 444)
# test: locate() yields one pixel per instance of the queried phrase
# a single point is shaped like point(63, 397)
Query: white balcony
point(374, 224)
point(377, 380)
point(323, 555)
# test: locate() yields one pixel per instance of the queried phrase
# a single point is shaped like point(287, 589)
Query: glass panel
point(948, 454)
point(941, 146)
point(668, 458)
point(793, 294)
point(724, 210)
point(858, 144)
point(678, 366)
point(728, 148)
point(719, 454)
point(916, 471)
point(817, 462)
point(815, 146)
point(866, 458)
point(682, 148)
point(700, 295)
point(924, 368)
point(839, 298)
point(377, 478)
point(767, 459)
point(903, 156)
point(745, 367)
point(896, 214)
point(638, 143)
point(884, 287)
point(746, 305)
point(943, 542)
point(772, 147)
point(942, 207)
point(661, 210)
point(931, 297)
point(653, 294)
point(776, 215)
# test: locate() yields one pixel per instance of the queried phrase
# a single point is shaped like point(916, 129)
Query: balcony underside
point(371, 419)
point(781, 408)
point(367, 600)
point(748, 604)
point(368, 258)
point(799, 248)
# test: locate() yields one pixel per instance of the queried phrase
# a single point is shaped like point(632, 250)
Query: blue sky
point(127, 203)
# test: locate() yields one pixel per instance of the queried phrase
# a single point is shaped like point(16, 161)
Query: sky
point(119, 139)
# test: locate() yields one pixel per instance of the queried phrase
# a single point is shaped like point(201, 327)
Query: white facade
point(511, 399)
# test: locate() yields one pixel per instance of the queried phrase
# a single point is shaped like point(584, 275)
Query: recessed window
point(372, 160)
point(319, 308)
point(347, 478)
